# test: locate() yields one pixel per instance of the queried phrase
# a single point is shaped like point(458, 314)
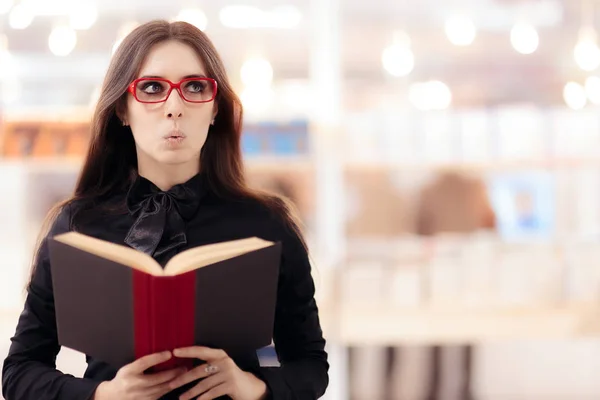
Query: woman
point(164, 173)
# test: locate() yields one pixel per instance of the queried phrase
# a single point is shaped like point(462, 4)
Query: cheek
point(202, 113)
point(143, 121)
point(139, 113)
point(198, 139)
point(199, 123)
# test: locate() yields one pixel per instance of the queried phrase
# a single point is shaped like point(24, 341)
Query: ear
point(121, 111)
point(215, 112)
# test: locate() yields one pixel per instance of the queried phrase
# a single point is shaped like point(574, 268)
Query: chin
point(176, 157)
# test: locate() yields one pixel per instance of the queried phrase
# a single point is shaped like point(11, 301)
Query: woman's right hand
point(131, 382)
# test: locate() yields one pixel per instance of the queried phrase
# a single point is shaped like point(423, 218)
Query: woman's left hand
point(222, 377)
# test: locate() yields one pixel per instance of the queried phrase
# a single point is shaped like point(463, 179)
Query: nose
point(174, 105)
point(171, 115)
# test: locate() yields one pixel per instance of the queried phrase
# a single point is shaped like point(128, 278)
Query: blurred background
point(443, 155)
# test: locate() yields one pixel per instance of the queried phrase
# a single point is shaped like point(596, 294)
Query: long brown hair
point(111, 156)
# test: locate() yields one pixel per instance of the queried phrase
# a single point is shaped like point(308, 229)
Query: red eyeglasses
point(157, 90)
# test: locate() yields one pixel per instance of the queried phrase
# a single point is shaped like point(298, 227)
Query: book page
point(209, 254)
point(112, 251)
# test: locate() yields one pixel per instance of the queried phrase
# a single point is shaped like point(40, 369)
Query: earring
point(125, 123)
point(212, 122)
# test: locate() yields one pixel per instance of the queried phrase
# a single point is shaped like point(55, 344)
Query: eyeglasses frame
point(177, 86)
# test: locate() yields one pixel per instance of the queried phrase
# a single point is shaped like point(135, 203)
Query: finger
point(205, 386)
point(200, 352)
point(199, 372)
point(216, 392)
point(162, 377)
point(143, 363)
point(157, 392)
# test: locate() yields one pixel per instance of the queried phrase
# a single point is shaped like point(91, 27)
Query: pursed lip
point(174, 134)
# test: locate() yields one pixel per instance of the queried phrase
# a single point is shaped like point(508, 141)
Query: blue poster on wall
point(524, 203)
point(275, 138)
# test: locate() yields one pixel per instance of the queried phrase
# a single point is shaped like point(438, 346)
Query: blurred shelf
point(43, 164)
point(388, 326)
point(550, 163)
point(308, 162)
point(74, 163)
point(283, 162)
point(70, 114)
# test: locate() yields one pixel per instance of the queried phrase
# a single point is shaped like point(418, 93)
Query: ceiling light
point(398, 60)
point(592, 89)
point(524, 38)
point(20, 17)
point(62, 40)
point(460, 30)
point(574, 95)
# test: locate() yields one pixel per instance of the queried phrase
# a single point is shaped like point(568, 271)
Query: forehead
point(172, 60)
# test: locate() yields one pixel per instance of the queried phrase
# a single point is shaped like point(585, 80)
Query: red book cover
point(168, 305)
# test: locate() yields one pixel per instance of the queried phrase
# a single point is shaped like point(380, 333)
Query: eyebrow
point(185, 77)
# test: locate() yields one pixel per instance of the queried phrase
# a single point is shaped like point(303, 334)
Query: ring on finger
point(211, 369)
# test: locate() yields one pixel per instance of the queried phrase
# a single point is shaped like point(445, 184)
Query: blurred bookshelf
point(531, 285)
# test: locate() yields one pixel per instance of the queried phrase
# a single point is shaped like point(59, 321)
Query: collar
point(184, 197)
point(160, 215)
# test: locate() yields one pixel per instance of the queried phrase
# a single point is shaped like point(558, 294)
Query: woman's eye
point(195, 87)
point(152, 87)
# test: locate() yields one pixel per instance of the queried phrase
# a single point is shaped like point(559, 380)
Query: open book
point(117, 304)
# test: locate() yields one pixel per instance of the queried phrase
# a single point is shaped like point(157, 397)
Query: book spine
point(164, 313)
point(185, 322)
point(142, 314)
point(163, 303)
point(182, 315)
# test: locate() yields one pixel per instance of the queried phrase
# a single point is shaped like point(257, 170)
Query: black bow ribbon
point(161, 215)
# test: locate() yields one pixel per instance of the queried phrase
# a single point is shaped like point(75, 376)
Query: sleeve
point(298, 338)
point(29, 371)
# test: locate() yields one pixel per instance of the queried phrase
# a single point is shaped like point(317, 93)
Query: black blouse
point(162, 224)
